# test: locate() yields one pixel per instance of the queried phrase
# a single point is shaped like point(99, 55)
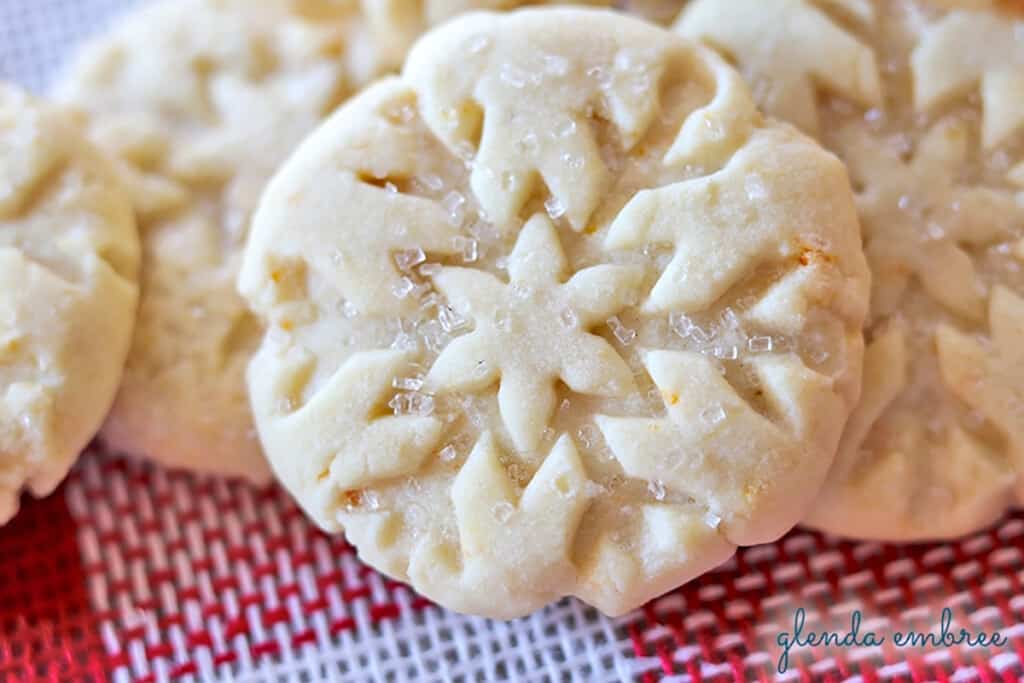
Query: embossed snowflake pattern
point(534, 330)
point(921, 222)
point(989, 376)
point(968, 50)
point(360, 447)
point(496, 522)
point(810, 52)
point(695, 448)
point(545, 464)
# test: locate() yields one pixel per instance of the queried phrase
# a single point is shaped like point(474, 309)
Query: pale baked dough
point(202, 99)
point(69, 257)
point(396, 24)
point(661, 12)
point(936, 447)
point(556, 312)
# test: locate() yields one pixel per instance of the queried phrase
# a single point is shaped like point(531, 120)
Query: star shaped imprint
point(512, 543)
point(344, 442)
point(788, 72)
point(534, 330)
point(920, 221)
point(990, 377)
point(966, 50)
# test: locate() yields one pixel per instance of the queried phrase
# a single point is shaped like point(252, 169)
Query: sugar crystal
point(712, 520)
point(434, 336)
point(399, 404)
point(625, 335)
point(686, 328)
point(403, 288)
point(468, 247)
point(573, 162)
point(430, 301)
point(587, 435)
point(727, 352)
point(502, 511)
point(479, 44)
point(451, 320)
point(569, 318)
point(408, 258)
point(565, 128)
point(348, 309)
point(430, 269)
point(713, 415)
point(432, 181)
point(503, 321)
point(421, 404)
point(556, 64)
point(455, 204)
point(759, 344)
point(513, 75)
point(554, 207)
point(529, 143)
point(407, 383)
point(730, 319)
point(755, 187)
point(521, 290)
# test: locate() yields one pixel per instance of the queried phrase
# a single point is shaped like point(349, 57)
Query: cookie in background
point(923, 100)
point(69, 258)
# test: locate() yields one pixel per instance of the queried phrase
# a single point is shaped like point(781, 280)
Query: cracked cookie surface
point(555, 316)
point(937, 157)
point(69, 257)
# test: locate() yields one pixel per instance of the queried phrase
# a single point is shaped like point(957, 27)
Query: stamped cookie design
point(937, 165)
point(788, 75)
point(69, 257)
point(201, 100)
point(554, 314)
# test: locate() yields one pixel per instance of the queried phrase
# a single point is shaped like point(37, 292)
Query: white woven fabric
point(190, 529)
point(36, 36)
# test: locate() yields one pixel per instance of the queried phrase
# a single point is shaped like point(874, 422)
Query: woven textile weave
point(132, 573)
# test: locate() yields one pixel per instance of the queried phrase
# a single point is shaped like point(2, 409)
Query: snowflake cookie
point(69, 257)
point(201, 100)
point(934, 449)
point(554, 313)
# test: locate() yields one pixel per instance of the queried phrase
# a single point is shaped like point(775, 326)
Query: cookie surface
point(69, 256)
point(203, 99)
point(923, 101)
point(554, 316)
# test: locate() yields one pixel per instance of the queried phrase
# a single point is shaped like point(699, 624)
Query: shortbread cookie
point(556, 312)
point(69, 257)
point(936, 447)
point(202, 99)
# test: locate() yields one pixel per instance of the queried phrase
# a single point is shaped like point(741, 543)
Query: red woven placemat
point(137, 574)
